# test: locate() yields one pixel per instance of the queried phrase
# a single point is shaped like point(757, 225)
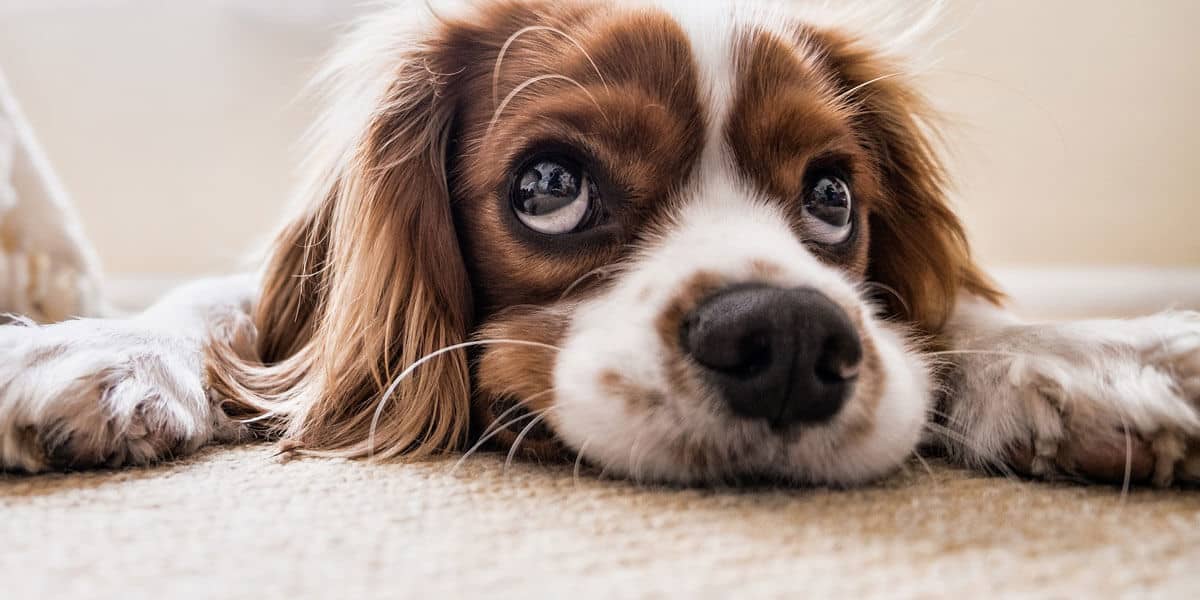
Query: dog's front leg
point(110, 392)
point(1112, 400)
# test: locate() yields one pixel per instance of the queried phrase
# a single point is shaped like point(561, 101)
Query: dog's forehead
point(716, 32)
point(770, 101)
point(696, 62)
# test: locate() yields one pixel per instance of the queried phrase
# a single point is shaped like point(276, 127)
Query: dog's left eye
point(554, 196)
point(828, 208)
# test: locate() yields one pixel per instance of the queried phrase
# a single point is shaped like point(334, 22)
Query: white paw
point(1101, 400)
point(93, 393)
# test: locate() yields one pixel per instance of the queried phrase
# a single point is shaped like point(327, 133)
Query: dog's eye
point(554, 196)
point(828, 210)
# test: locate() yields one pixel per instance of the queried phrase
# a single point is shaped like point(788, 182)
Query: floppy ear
point(918, 246)
point(367, 280)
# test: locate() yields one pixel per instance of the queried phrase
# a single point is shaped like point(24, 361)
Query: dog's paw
point(1101, 400)
point(94, 393)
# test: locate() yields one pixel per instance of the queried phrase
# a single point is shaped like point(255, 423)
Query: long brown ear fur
point(918, 246)
point(366, 281)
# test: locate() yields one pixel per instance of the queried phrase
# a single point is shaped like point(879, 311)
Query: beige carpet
point(236, 523)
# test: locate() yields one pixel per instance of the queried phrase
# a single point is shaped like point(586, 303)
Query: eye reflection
point(828, 210)
point(554, 196)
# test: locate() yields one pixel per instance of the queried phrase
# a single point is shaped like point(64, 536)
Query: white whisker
point(604, 271)
point(541, 416)
point(262, 417)
point(424, 359)
point(1128, 475)
point(579, 461)
point(980, 352)
point(954, 437)
point(531, 81)
point(495, 428)
point(842, 97)
point(891, 290)
point(520, 32)
point(928, 469)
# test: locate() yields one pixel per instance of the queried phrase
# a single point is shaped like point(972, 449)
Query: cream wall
point(173, 123)
point(1078, 136)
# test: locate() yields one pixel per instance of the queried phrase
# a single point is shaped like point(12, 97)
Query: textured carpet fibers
point(238, 523)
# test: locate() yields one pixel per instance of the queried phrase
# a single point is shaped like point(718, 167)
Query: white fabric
point(48, 271)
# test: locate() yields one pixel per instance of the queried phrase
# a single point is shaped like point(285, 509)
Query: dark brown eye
point(828, 210)
point(554, 196)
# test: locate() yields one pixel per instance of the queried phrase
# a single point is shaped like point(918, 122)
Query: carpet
point(239, 523)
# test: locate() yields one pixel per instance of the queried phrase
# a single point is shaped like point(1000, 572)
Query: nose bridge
point(719, 210)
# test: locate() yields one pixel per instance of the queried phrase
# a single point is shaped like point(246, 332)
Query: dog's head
point(688, 244)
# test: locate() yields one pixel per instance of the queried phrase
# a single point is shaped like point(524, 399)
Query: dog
point(693, 243)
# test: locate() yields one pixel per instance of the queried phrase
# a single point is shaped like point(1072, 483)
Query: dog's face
point(666, 228)
point(680, 214)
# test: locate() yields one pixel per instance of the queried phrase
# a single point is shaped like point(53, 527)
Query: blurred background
point(174, 123)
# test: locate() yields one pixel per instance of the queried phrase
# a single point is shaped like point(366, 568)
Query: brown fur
point(367, 281)
point(374, 274)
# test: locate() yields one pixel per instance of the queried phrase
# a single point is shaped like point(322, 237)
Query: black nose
point(786, 356)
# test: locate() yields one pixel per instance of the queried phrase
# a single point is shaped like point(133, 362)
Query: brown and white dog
point(698, 243)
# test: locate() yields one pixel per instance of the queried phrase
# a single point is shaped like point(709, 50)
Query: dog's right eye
point(554, 196)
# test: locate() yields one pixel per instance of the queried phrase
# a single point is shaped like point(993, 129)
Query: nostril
point(837, 372)
point(840, 359)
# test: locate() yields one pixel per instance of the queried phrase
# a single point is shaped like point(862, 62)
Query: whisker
point(950, 420)
point(531, 81)
point(928, 469)
point(971, 445)
point(603, 271)
point(421, 361)
point(262, 417)
point(521, 437)
point(520, 32)
point(520, 404)
point(579, 461)
point(891, 290)
point(484, 439)
point(495, 428)
point(980, 352)
point(633, 463)
point(1127, 480)
point(842, 97)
